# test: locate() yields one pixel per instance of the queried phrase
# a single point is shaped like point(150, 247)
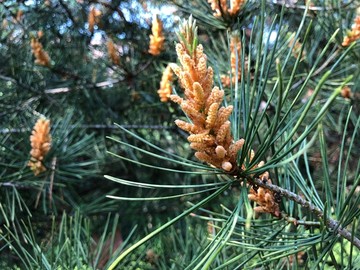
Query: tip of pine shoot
point(187, 34)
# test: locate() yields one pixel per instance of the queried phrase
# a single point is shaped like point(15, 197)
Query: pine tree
point(231, 126)
point(269, 94)
point(69, 70)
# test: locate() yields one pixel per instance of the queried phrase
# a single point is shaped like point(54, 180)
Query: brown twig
point(317, 71)
point(53, 167)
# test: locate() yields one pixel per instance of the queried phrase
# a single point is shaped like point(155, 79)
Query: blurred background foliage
point(62, 219)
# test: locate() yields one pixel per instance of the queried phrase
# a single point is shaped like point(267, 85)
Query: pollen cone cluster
point(156, 38)
point(235, 61)
point(40, 145)
point(220, 7)
point(264, 198)
point(354, 34)
point(165, 84)
point(41, 57)
point(112, 52)
point(93, 18)
point(209, 129)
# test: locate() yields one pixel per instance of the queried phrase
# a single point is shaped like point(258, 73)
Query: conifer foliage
point(232, 126)
point(280, 102)
point(68, 71)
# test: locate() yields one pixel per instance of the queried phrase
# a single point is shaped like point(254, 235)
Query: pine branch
point(108, 83)
point(53, 167)
point(9, 184)
point(68, 89)
point(330, 223)
point(297, 222)
point(68, 12)
point(293, 5)
point(94, 126)
point(17, 82)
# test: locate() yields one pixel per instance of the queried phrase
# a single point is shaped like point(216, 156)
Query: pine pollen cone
point(221, 8)
point(113, 53)
point(354, 34)
point(41, 56)
point(40, 140)
point(93, 18)
point(157, 38)
point(210, 133)
point(346, 92)
point(235, 60)
point(264, 198)
point(209, 126)
point(19, 15)
point(165, 84)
